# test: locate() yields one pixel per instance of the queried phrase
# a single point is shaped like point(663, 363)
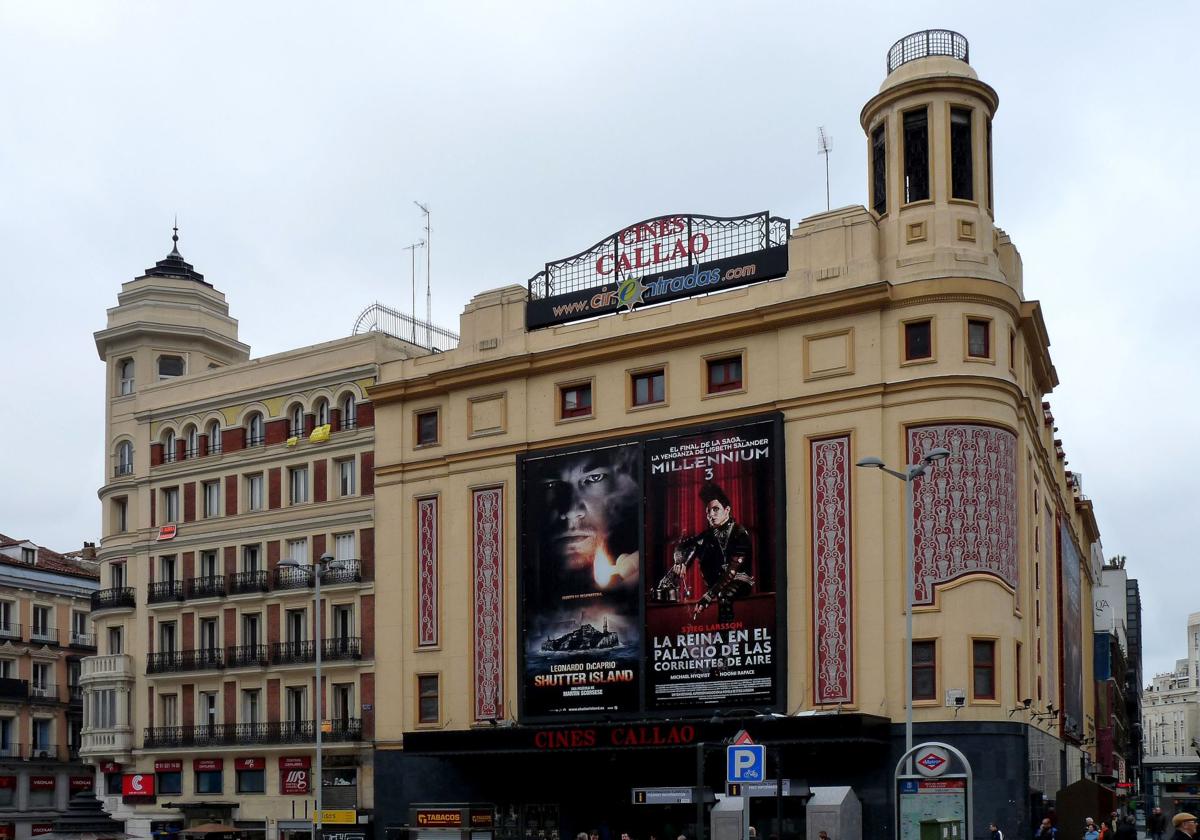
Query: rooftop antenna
point(413, 249)
point(428, 257)
point(824, 145)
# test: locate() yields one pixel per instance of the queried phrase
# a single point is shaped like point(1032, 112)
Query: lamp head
point(329, 562)
point(288, 563)
point(1027, 702)
point(871, 461)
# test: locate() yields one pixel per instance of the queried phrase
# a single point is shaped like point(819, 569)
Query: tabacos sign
point(658, 260)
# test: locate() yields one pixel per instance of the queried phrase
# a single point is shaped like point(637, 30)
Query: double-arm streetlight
point(327, 561)
point(910, 474)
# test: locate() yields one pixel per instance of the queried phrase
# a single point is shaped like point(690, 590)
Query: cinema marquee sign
point(660, 259)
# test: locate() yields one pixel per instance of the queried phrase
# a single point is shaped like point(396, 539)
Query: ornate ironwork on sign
point(659, 259)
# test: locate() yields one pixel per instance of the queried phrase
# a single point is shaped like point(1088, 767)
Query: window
point(427, 428)
point(575, 400)
point(983, 669)
point(116, 574)
point(989, 164)
point(40, 685)
point(7, 669)
point(8, 784)
point(962, 170)
point(295, 626)
point(298, 485)
point(167, 568)
point(43, 623)
point(251, 558)
point(250, 629)
point(1018, 682)
point(79, 624)
point(252, 779)
point(649, 387)
point(918, 340)
point(209, 640)
point(125, 377)
point(124, 458)
point(724, 374)
point(349, 412)
point(171, 504)
point(214, 438)
point(166, 637)
point(41, 736)
point(169, 709)
point(7, 627)
point(296, 422)
point(212, 499)
point(29, 556)
point(120, 510)
point(979, 338)
point(343, 547)
point(879, 170)
point(296, 706)
point(428, 701)
point(208, 708)
point(321, 410)
point(254, 492)
point(924, 671)
point(192, 449)
point(298, 551)
point(169, 781)
point(251, 706)
point(343, 704)
point(254, 430)
point(116, 640)
point(343, 621)
point(916, 156)
point(209, 781)
point(170, 367)
point(1012, 349)
point(112, 784)
point(168, 447)
point(346, 477)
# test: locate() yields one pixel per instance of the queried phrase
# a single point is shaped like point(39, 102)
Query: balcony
point(43, 635)
point(109, 667)
point(350, 572)
point(75, 694)
point(105, 743)
point(179, 661)
point(244, 582)
point(45, 693)
point(11, 689)
point(339, 648)
point(246, 656)
point(231, 734)
point(44, 752)
point(122, 469)
point(10, 750)
point(10, 630)
point(83, 640)
point(292, 577)
point(110, 599)
point(164, 591)
point(210, 586)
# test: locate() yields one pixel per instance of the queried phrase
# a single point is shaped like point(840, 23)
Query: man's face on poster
point(586, 499)
point(716, 513)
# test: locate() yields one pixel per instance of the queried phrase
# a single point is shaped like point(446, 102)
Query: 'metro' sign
point(660, 259)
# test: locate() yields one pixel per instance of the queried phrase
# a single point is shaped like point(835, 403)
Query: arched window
point(322, 412)
point(214, 438)
point(125, 377)
point(297, 420)
point(193, 443)
point(124, 458)
point(169, 447)
point(349, 418)
point(170, 367)
point(254, 430)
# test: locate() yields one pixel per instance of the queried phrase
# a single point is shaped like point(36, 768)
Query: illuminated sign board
point(660, 259)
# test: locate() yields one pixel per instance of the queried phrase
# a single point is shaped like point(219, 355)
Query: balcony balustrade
point(115, 598)
point(110, 666)
point(164, 591)
point(243, 582)
point(10, 630)
point(13, 689)
point(228, 734)
point(43, 635)
point(45, 693)
point(83, 640)
point(178, 661)
point(244, 656)
point(210, 586)
point(332, 650)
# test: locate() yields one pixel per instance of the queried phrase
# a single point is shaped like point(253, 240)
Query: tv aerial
point(824, 146)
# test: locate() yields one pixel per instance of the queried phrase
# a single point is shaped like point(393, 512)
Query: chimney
point(89, 552)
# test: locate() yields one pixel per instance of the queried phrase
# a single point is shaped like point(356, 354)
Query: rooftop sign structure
point(659, 259)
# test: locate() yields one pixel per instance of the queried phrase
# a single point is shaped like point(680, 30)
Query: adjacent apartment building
point(45, 631)
point(1171, 725)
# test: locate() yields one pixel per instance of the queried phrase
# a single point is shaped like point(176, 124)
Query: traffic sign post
point(745, 763)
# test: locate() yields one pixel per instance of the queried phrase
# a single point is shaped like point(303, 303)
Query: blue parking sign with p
point(746, 763)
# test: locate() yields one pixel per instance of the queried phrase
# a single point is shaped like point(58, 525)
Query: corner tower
point(929, 148)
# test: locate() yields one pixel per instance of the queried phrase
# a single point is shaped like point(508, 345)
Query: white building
point(1171, 704)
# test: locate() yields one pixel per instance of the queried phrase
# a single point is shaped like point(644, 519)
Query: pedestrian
point(996, 833)
point(1091, 831)
point(1046, 831)
point(823, 835)
point(1185, 826)
point(1127, 830)
point(1156, 824)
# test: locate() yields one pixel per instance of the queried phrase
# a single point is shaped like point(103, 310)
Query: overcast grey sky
point(292, 138)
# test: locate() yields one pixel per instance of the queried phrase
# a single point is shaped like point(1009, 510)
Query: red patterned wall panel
point(833, 598)
point(965, 509)
point(488, 558)
point(427, 572)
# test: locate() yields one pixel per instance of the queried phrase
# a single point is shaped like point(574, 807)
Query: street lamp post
point(911, 473)
point(327, 561)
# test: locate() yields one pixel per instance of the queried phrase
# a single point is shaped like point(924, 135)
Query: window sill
point(911, 362)
point(561, 420)
point(924, 202)
point(964, 202)
point(981, 360)
point(430, 445)
point(645, 406)
point(708, 395)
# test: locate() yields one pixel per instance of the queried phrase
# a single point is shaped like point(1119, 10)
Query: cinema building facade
point(622, 520)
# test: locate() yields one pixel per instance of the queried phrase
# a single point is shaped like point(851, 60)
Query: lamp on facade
point(909, 475)
point(327, 561)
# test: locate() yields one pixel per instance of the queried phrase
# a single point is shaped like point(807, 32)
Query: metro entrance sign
point(933, 801)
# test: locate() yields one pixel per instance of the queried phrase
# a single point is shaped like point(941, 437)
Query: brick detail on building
point(150, 567)
point(230, 694)
point(276, 431)
point(153, 509)
point(274, 488)
point(273, 697)
point(150, 706)
point(272, 555)
point(231, 495)
point(366, 694)
point(230, 626)
point(156, 454)
point(233, 440)
point(320, 480)
point(189, 565)
point(310, 423)
point(149, 634)
point(367, 625)
point(318, 547)
point(366, 553)
point(180, 449)
point(187, 704)
point(230, 565)
point(365, 415)
point(202, 444)
point(335, 418)
point(189, 502)
point(188, 630)
point(272, 624)
point(368, 473)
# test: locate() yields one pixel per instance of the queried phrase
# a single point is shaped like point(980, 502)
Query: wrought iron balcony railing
point(45, 635)
point(43, 752)
point(332, 650)
point(210, 586)
point(83, 640)
point(117, 597)
point(177, 661)
point(275, 732)
point(44, 693)
point(349, 572)
point(10, 630)
point(164, 591)
point(122, 469)
point(243, 582)
point(13, 689)
point(243, 656)
point(293, 577)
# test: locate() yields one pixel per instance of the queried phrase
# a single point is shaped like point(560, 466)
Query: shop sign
point(38, 829)
point(666, 594)
point(41, 782)
point(660, 259)
point(167, 532)
point(438, 817)
point(7, 831)
point(7, 782)
point(293, 775)
point(249, 764)
point(137, 787)
point(587, 737)
point(207, 765)
point(340, 816)
point(483, 818)
point(167, 766)
point(79, 783)
point(107, 767)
